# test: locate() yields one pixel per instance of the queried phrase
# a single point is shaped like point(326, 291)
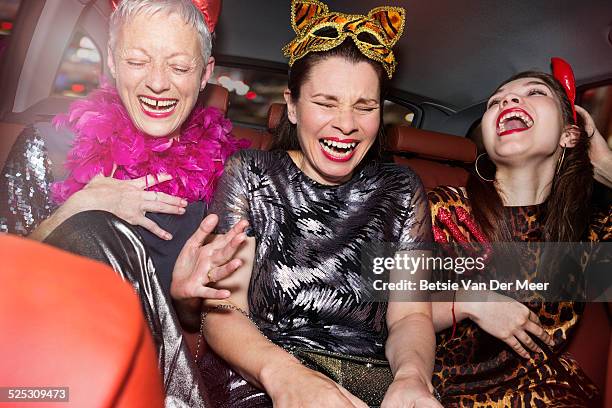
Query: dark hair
point(567, 209)
point(285, 134)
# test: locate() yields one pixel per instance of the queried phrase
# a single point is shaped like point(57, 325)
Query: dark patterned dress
point(305, 288)
point(475, 369)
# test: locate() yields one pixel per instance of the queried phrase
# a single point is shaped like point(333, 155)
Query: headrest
point(215, 96)
point(259, 138)
point(275, 113)
point(63, 316)
point(404, 139)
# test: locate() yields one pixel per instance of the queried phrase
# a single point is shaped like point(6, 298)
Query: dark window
point(81, 67)
point(396, 114)
point(8, 12)
point(251, 92)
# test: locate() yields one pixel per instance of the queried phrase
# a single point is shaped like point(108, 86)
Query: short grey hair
point(190, 14)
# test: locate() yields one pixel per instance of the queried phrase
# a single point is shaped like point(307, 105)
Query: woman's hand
point(295, 385)
point(599, 152)
point(199, 265)
point(409, 392)
point(128, 200)
point(510, 321)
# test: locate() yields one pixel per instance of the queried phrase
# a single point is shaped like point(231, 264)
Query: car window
point(80, 69)
point(8, 12)
point(251, 92)
point(598, 102)
point(396, 114)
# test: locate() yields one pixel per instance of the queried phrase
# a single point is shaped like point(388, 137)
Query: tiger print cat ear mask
point(319, 29)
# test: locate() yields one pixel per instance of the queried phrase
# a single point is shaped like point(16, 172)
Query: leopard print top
point(475, 369)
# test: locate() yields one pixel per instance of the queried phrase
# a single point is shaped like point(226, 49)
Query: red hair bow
point(210, 9)
point(562, 71)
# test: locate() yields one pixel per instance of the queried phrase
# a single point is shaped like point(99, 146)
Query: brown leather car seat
point(436, 157)
point(68, 321)
point(215, 96)
point(261, 139)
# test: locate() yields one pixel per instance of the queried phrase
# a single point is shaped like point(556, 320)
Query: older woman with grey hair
point(142, 168)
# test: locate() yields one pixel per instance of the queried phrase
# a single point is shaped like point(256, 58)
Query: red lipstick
point(150, 106)
point(515, 114)
point(338, 159)
point(328, 151)
point(337, 139)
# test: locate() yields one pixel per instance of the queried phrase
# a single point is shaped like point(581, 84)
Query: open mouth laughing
point(512, 121)
point(338, 150)
point(157, 107)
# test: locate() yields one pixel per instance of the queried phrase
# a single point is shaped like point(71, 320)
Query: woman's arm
point(236, 339)
point(410, 348)
point(442, 309)
point(127, 199)
point(505, 318)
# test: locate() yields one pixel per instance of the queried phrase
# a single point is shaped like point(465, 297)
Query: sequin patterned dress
point(475, 369)
point(305, 285)
point(25, 194)
point(25, 187)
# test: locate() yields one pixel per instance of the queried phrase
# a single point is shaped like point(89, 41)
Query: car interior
point(451, 56)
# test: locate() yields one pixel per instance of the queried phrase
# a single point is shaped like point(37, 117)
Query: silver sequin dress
point(305, 289)
point(25, 184)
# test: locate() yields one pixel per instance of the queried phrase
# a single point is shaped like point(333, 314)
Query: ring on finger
point(209, 275)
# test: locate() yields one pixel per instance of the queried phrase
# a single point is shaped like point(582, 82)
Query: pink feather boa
point(105, 136)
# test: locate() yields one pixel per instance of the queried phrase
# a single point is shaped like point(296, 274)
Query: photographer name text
point(493, 284)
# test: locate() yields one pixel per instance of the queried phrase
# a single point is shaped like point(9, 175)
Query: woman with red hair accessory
point(494, 350)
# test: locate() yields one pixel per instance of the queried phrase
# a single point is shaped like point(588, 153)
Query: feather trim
point(105, 136)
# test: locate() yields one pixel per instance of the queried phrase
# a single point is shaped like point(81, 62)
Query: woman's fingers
point(206, 292)
point(223, 271)
point(538, 331)
point(206, 227)
point(224, 254)
point(224, 240)
point(535, 326)
point(113, 170)
point(159, 207)
point(150, 225)
point(527, 341)
point(586, 116)
point(517, 346)
point(158, 196)
point(150, 180)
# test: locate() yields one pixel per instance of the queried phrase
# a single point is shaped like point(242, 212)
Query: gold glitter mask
point(318, 29)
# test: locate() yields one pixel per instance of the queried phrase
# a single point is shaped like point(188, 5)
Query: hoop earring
point(560, 161)
point(478, 171)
